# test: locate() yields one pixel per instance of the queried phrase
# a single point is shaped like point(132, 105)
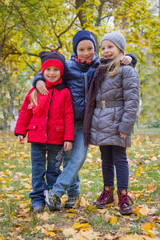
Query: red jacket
point(52, 121)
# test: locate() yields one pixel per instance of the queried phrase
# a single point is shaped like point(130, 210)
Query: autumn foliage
point(17, 221)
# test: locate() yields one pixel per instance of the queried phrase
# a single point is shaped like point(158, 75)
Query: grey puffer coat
point(116, 107)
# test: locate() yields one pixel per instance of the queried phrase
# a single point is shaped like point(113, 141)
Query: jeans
point(44, 175)
point(115, 156)
point(73, 160)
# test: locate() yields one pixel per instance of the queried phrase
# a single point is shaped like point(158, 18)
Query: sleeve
point(131, 100)
point(68, 118)
point(134, 59)
point(38, 77)
point(24, 117)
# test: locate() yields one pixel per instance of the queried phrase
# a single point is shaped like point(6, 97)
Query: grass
point(18, 222)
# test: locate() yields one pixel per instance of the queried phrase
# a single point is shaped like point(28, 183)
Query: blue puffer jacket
point(77, 77)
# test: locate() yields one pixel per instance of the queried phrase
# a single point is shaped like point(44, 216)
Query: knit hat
point(82, 35)
point(52, 58)
point(117, 38)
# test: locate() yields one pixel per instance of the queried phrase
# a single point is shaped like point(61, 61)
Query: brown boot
point(124, 203)
point(105, 198)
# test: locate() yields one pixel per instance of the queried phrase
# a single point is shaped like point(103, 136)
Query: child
point(49, 122)
point(77, 75)
point(109, 118)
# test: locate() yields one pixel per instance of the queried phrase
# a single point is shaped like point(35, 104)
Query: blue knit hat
point(82, 35)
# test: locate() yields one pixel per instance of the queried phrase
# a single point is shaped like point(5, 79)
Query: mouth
point(108, 57)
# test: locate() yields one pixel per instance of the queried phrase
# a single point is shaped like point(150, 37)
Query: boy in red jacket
point(49, 122)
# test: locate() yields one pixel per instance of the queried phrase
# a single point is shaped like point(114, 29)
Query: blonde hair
point(33, 98)
point(114, 66)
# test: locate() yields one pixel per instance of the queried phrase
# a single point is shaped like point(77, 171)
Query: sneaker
point(124, 203)
point(53, 202)
point(71, 202)
point(105, 198)
point(38, 208)
point(58, 205)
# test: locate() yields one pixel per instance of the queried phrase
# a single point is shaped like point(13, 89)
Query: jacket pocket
point(59, 129)
point(32, 127)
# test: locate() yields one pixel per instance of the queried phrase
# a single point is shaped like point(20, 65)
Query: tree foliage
point(29, 26)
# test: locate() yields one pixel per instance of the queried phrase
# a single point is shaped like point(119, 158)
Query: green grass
point(17, 219)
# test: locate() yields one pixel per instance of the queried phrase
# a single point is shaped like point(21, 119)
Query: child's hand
point(122, 135)
point(126, 60)
point(40, 85)
point(67, 146)
point(20, 139)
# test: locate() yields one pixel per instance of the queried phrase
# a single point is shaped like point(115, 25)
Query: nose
point(52, 71)
point(86, 52)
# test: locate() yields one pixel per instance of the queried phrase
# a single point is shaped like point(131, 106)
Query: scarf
point(88, 62)
point(84, 65)
point(96, 83)
point(42, 99)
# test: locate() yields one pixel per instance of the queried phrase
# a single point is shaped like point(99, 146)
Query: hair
point(114, 66)
point(33, 98)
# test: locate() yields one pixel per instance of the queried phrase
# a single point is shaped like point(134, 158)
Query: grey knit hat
point(117, 38)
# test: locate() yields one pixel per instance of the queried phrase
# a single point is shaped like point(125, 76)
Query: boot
point(105, 198)
point(124, 203)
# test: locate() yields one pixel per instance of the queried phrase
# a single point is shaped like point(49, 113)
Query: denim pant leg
point(107, 165)
point(54, 160)
point(70, 171)
point(73, 189)
point(38, 157)
point(121, 164)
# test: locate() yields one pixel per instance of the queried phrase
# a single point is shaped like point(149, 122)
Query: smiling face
point(52, 74)
point(109, 49)
point(85, 50)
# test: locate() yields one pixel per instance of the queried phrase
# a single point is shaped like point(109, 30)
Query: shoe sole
point(126, 213)
point(67, 206)
point(51, 209)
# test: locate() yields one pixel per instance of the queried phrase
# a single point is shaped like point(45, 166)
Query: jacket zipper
point(86, 87)
point(48, 114)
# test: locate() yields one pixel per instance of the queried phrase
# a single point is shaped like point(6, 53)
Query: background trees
point(29, 26)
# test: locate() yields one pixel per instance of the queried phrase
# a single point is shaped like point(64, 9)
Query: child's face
point(109, 49)
point(52, 74)
point(85, 50)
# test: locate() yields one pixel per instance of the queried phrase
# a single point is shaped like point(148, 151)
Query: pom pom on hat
point(117, 38)
point(52, 58)
point(80, 36)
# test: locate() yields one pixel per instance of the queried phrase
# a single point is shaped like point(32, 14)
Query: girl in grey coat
point(109, 118)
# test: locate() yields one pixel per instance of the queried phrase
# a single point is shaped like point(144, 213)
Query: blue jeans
point(73, 160)
point(44, 176)
point(115, 156)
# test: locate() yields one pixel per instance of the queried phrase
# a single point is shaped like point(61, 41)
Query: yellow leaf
point(92, 208)
point(27, 210)
point(148, 226)
point(149, 200)
point(52, 234)
point(80, 225)
point(11, 214)
point(137, 174)
point(150, 234)
point(113, 220)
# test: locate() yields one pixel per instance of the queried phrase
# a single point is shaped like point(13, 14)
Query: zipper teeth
point(48, 113)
